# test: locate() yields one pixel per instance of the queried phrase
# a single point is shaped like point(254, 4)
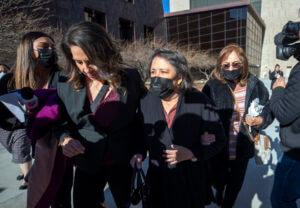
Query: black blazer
point(222, 98)
point(120, 139)
point(194, 116)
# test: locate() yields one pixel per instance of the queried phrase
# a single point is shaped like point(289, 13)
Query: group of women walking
point(110, 121)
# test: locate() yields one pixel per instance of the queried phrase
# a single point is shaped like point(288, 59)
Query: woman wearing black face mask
point(182, 130)
point(35, 65)
point(232, 76)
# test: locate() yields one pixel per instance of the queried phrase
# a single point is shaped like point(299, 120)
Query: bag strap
point(241, 118)
point(134, 175)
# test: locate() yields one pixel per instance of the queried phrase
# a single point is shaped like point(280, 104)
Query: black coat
point(187, 183)
point(120, 138)
point(285, 105)
point(222, 98)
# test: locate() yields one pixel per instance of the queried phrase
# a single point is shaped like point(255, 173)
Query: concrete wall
point(276, 14)
point(149, 13)
point(179, 5)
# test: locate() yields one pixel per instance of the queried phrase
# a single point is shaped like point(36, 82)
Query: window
point(129, 1)
point(148, 32)
point(95, 16)
point(126, 30)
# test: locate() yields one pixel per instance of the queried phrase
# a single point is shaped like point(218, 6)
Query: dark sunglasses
point(234, 65)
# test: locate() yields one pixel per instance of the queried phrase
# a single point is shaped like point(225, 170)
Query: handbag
point(262, 150)
point(139, 189)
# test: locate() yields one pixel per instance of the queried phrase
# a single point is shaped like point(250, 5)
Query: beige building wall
point(179, 5)
point(276, 13)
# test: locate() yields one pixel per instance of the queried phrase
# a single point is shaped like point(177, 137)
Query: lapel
point(251, 83)
point(99, 97)
point(178, 108)
point(77, 99)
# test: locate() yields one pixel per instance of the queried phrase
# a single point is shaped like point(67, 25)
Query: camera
point(283, 40)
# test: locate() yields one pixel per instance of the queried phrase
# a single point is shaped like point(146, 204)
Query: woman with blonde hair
point(232, 88)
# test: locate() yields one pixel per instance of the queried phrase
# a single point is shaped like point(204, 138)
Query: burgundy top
point(104, 115)
point(107, 110)
point(170, 117)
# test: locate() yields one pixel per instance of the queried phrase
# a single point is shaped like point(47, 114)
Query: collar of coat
point(223, 88)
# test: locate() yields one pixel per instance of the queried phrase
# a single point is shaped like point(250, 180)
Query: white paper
point(10, 100)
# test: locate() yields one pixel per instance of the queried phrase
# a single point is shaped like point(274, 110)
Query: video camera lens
point(289, 34)
point(284, 52)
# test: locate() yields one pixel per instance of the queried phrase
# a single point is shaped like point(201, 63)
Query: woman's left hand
point(254, 120)
point(178, 154)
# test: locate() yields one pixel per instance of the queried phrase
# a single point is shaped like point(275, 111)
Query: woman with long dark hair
point(101, 99)
point(232, 88)
point(35, 61)
point(35, 65)
point(177, 121)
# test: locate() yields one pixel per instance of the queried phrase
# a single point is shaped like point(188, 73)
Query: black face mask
point(47, 57)
point(232, 75)
point(162, 87)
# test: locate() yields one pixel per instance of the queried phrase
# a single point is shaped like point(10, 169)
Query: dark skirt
point(187, 185)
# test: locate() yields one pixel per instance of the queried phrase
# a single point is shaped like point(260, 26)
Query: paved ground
point(254, 194)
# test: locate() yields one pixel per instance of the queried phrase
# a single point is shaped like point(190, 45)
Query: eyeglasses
point(234, 65)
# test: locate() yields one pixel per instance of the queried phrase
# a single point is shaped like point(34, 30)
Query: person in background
point(101, 99)
point(34, 67)
point(4, 69)
point(232, 85)
point(277, 73)
point(182, 131)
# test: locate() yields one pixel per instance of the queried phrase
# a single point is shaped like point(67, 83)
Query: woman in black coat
point(176, 117)
point(101, 101)
point(229, 167)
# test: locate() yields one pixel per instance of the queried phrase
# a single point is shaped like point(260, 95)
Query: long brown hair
point(224, 53)
point(25, 69)
point(98, 47)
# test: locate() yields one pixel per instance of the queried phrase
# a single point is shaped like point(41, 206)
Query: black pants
point(88, 187)
point(234, 181)
point(63, 195)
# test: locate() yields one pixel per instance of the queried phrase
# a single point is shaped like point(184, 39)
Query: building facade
point(124, 19)
point(213, 24)
point(275, 14)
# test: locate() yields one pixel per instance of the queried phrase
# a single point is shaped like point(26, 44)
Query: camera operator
point(285, 105)
point(277, 73)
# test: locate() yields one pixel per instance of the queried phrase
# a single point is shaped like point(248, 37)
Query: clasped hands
point(177, 153)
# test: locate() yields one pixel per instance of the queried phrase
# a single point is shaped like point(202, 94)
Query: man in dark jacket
point(285, 105)
point(277, 73)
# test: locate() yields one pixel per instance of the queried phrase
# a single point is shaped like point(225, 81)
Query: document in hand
point(11, 102)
